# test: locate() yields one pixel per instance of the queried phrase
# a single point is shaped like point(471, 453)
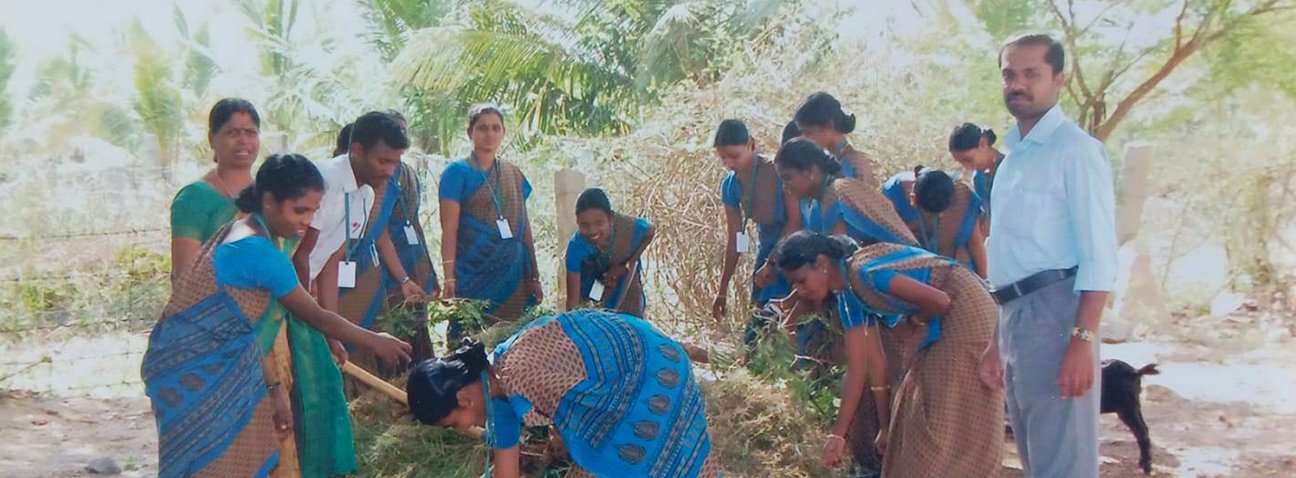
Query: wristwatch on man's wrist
point(1082, 334)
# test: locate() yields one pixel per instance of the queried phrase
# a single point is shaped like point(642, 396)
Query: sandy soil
point(1212, 413)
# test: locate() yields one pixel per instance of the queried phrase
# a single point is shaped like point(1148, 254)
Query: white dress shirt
point(340, 193)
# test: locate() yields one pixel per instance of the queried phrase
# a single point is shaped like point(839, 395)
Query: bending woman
point(973, 148)
point(821, 119)
point(619, 392)
point(947, 221)
point(603, 256)
point(945, 417)
point(217, 367)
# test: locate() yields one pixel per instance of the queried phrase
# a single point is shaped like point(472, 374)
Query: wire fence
point(79, 328)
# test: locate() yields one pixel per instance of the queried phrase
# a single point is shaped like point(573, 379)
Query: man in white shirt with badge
point(1052, 262)
point(325, 255)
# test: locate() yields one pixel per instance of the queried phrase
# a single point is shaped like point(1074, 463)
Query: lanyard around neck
point(496, 191)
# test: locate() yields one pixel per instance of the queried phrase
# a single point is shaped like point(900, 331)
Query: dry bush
point(666, 169)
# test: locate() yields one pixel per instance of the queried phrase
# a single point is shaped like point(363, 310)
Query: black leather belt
point(1034, 282)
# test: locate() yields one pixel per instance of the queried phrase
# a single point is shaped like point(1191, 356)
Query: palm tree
point(7, 52)
point(157, 97)
point(587, 69)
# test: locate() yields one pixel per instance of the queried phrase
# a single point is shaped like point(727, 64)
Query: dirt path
point(47, 436)
point(1212, 413)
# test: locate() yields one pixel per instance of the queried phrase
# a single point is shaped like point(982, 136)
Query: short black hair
point(933, 189)
point(343, 140)
point(593, 198)
point(224, 110)
point(804, 247)
point(375, 126)
point(433, 387)
point(284, 176)
point(1056, 56)
point(731, 132)
point(822, 109)
point(790, 131)
point(968, 136)
point(801, 154)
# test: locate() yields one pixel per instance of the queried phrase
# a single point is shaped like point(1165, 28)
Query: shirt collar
point(348, 179)
point(1043, 129)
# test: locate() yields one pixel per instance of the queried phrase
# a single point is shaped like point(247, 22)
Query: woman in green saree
point(204, 206)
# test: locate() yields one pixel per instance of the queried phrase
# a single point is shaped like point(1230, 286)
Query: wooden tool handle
point(375, 382)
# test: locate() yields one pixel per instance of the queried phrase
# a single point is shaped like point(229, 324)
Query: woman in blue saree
point(820, 118)
point(973, 148)
point(833, 204)
point(837, 205)
point(943, 419)
point(620, 394)
point(752, 192)
point(603, 256)
point(948, 218)
point(487, 249)
point(218, 369)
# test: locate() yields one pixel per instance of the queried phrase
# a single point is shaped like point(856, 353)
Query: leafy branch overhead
point(1120, 53)
point(588, 73)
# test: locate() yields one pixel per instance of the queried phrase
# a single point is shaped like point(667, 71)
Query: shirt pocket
point(1034, 212)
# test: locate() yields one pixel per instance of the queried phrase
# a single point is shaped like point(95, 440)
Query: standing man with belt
point(1052, 264)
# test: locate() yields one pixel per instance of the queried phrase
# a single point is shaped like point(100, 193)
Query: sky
point(43, 29)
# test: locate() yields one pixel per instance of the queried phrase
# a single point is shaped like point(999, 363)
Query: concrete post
point(568, 184)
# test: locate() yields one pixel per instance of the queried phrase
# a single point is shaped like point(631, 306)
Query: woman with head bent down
point(620, 394)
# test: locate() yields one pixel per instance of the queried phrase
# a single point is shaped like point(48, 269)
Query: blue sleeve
point(640, 230)
point(1091, 205)
point(451, 187)
point(526, 188)
point(882, 280)
point(255, 263)
point(851, 311)
point(577, 249)
point(729, 191)
point(507, 425)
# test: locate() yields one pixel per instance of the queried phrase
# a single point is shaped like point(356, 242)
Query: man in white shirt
point(1052, 261)
point(326, 256)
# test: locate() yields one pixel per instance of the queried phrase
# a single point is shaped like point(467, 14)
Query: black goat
point(1122, 386)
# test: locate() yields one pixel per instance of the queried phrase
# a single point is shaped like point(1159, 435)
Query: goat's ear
point(1149, 369)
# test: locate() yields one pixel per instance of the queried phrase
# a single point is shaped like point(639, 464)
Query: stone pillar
point(568, 184)
point(1138, 300)
point(1133, 190)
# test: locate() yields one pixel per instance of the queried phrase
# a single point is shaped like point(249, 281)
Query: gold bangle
point(917, 322)
point(834, 435)
point(882, 388)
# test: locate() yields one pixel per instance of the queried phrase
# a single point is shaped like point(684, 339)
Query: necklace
point(224, 189)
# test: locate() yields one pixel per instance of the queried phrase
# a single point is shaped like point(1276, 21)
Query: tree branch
point(1178, 28)
point(1202, 36)
point(1084, 31)
point(1068, 30)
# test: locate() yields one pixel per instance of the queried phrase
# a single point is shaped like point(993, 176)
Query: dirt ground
point(1212, 413)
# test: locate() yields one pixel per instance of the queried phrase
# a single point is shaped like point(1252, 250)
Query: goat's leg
point(1133, 418)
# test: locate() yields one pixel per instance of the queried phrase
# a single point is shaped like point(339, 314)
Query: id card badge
point(504, 230)
point(596, 291)
point(346, 274)
point(742, 242)
point(411, 237)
